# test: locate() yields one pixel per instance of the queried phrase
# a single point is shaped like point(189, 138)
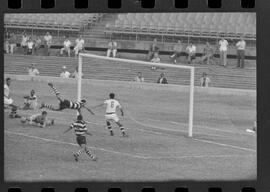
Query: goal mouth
point(108, 68)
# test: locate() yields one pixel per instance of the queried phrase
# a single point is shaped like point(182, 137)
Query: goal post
point(191, 89)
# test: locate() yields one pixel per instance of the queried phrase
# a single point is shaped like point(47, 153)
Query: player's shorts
point(64, 104)
point(111, 117)
point(81, 139)
point(8, 101)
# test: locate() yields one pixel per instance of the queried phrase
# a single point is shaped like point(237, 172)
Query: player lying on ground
point(80, 129)
point(65, 104)
point(30, 101)
point(40, 120)
point(111, 106)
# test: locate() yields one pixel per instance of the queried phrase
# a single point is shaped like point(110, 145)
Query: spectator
point(139, 77)
point(37, 44)
point(204, 81)
point(30, 101)
point(30, 46)
point(6, 43)
point(79, 45)
point(32, 70)
point(223, 48)
point(66, 47)
point(47, 42)
point(64, 73)
point(75, 73)
point(241, 46)
point(208, 53)
point(152, 49)
point(191, 51)
point(112, 48)
point(10, 43)
point(177, 51)
point(162, 79)
point(24, 42)
point(155, 59)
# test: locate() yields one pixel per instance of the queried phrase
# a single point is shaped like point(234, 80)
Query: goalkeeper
point(40, 120)
point(65, 104)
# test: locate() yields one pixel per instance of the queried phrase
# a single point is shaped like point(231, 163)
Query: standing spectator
point(24, 42)
point(162, 79)
point(208, 53)
point(223, 48)
point(32, 70)
point(177, 51)
point(75, 73)
point(47, 42)
point(64, 73)
point(152, 49)
point(204, 81)
point(155, 59)
point(79, 45)
point(139, 77)
point(37, 44)
point(66, 47)
point(191, 51)
point(241, 46)
point(12, 43)
point(7, 39)
point(30, 46)
point(112, 48)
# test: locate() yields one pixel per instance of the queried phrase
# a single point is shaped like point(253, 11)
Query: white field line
point(127, 154)
point(199, 126)
point(201, 140)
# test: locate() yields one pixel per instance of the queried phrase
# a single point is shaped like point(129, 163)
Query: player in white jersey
point(111, 106)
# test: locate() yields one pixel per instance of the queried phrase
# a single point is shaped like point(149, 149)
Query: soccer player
point(40, 120)
point(65, 104)
point(80, 129)
point(8, 101)
point(30, 101)
point(111, 116)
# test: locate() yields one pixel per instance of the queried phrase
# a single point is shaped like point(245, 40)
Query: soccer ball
point(23, 120)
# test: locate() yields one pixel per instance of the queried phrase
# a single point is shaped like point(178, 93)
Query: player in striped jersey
point(80, 129)
point(111, 106)
point(65, 104)
point(40, 120)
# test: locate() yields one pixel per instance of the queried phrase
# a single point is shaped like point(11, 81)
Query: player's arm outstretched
point(100, 105)
point(88, 109)
point(70, 127)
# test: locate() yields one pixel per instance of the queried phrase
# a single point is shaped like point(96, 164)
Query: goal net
point(177, 95)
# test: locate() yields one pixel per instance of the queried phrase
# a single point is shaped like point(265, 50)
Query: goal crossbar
point(191, 68)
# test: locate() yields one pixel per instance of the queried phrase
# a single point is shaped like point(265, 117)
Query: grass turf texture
point(158, 147)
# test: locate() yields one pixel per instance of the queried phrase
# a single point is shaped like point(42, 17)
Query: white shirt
point(155, 60)
point(65, 74)
point(6, 90)
point(30, 44)
point(191, 49)
point(67, 43)
point(138, 79)
point(112, 105)
point(48, 38)
point(206, 83)
point(241, 45)
point(79, 43)
point(24, 40)
point(33, 72)
point(223, 45)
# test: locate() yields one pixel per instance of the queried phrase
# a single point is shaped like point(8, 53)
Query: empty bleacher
point(210, 25)
point(60, 22)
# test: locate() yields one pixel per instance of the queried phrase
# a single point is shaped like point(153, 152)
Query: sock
point(48, 106)
point(122, 129)
point(89, 154)
point(78, 153)
point(109, 126)
point(56, 92)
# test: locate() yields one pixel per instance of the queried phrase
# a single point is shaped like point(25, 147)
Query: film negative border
point(261, 7)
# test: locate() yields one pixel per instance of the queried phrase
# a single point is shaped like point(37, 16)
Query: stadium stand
point(210, 25)
point(60, 22)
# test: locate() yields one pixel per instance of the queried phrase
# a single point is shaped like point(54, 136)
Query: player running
point(64, 103)
point(111, 106)
point(40, 120)
point(80, 129)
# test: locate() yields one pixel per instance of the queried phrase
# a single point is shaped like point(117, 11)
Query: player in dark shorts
point(65, 104)
point(80, 129)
